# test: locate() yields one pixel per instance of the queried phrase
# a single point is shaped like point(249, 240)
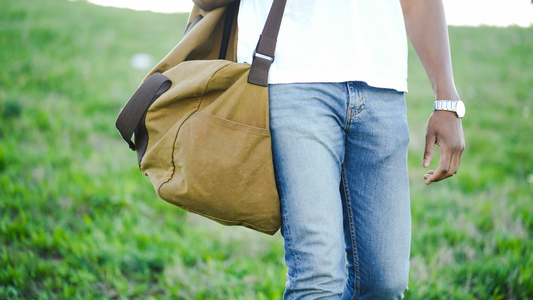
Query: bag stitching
point(249, 128)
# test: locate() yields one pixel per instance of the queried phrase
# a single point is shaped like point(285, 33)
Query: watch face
point(460, 109)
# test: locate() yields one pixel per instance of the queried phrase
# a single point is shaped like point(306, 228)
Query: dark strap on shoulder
point(263, 56)
point(228, 23)
point(195, 21)
point(134, 110)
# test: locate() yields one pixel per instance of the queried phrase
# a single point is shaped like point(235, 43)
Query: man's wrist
point(445, 89)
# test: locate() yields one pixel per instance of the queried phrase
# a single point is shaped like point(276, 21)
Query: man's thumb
point(428, 152)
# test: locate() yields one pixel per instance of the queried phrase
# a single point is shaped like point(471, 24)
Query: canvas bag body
point(207, 146)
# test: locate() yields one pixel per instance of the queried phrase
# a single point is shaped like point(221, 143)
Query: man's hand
point(444, 129)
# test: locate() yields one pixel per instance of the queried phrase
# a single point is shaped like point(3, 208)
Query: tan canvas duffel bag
point(200, 123)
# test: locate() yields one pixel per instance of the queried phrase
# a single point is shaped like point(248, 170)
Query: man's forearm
point(427, 30)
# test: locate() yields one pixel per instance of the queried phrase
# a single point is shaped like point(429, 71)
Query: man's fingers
point(429, 174)
point(455, 162)
point(439, 175)
point(444, 170)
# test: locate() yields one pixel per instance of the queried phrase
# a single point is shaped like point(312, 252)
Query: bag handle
point(263, 56)
point(130, 116)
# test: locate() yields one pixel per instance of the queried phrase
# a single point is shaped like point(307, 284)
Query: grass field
point(79, 221)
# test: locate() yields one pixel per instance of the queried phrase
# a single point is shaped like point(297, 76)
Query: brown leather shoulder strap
point(134, 110)
point(263, 56)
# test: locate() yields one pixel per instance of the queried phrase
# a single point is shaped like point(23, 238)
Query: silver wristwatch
point(457, 106)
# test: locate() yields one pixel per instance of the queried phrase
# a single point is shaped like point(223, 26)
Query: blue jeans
point(340, 159)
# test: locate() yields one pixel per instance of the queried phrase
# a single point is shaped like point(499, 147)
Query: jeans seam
point(361, 108)
point(361, 99)
point(286, 233)
point(347, 123)
point(352, 231)
point(351, 112)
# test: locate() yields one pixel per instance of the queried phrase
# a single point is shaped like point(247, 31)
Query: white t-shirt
point(331, 41)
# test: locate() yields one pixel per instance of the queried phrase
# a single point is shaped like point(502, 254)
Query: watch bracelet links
point(449, 105)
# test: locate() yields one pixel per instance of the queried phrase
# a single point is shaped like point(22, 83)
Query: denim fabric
point(340, 159)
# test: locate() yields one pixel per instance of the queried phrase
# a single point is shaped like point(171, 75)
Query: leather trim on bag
point(134, 112)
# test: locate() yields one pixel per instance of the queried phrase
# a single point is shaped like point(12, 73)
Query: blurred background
point(79, 221)
point(458, 12)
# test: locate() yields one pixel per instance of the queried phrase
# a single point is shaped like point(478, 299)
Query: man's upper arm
point(208, 5)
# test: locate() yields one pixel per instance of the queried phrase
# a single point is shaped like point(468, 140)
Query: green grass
point(79, 221)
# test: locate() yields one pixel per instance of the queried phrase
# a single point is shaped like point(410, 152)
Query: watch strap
point(456, 106)
point(449, 105)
